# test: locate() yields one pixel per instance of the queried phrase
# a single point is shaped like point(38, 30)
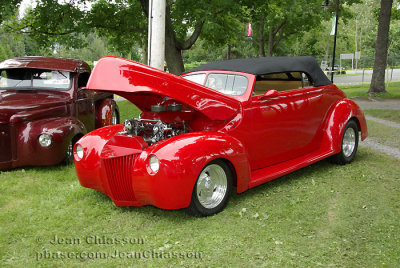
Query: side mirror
point(270, 93)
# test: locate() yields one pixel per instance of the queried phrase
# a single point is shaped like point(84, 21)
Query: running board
point(263, 175)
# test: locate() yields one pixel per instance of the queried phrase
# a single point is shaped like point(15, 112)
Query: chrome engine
point(153, 131)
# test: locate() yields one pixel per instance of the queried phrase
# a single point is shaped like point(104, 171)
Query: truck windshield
point(35, 79)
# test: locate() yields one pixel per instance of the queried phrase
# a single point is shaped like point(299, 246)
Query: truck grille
point(119, 176)
point(5, 143)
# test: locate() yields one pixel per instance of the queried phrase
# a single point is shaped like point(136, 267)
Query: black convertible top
point(259, 66)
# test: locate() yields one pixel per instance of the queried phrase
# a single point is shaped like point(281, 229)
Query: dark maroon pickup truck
point(45, 109)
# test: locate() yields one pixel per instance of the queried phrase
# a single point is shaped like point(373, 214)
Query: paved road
point(379, 144)
point(375, 143)
point(372, 103)
point(358, 77)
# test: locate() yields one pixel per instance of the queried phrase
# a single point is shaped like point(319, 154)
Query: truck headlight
point(154, 163)
point(79, 152)
point(44, 140)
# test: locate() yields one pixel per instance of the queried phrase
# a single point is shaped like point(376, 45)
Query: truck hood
point(145, 86)
point(17, 105)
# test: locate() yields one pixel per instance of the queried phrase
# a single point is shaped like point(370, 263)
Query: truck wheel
point(69, 155)
point(115, 117)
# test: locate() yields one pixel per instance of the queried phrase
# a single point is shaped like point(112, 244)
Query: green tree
point(275, 20)
point(3, 54)
point(124, 22)
point(8, 8)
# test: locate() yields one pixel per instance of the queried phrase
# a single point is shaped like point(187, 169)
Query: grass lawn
point(393, 91)
point(322, 215)
point(391, 115)
point(127, 110)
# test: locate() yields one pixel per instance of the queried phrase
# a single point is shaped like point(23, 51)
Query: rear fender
point(341, 113)
point(104, 111)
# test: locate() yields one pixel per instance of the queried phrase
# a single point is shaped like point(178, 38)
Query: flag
point(249, 31)
point(333, 25)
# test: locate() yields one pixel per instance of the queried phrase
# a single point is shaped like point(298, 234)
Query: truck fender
point(104, 110)
point(61, 130)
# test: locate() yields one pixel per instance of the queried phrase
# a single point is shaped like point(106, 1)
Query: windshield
point(229, 84)
point(35, 79)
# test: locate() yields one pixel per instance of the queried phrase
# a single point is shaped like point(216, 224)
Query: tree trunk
point(228, 52)
point(328, 48)
point(273, 40)
point(270, 43)
point(144, 50)
point(262, 39)
point(173, 55)
point(381, 49)
point(173, 48)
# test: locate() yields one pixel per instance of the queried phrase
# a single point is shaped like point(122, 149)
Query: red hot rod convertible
point(233, 123)
point(44, 110)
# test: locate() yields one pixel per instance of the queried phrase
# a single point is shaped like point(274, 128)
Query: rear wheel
point(212, 189)
point(349, 144)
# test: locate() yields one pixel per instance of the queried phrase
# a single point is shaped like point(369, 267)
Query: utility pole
point(334, 42)
point(156, 34)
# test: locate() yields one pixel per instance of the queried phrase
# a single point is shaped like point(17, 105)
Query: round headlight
point(79, 152)
point(154, 163)
point(44, 140)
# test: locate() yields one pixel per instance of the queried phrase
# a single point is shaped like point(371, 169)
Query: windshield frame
point(35, 87)
point(243, 98)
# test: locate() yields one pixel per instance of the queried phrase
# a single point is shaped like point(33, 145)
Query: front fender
point(181, 160)
point(340, 114)
point(60, 129)
point(88, 168)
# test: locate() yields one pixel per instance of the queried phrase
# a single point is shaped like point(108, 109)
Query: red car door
point(284, 126)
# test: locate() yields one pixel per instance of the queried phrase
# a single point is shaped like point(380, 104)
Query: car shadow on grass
point(282, 185)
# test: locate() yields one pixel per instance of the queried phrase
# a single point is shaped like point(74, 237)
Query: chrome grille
point(119, 177)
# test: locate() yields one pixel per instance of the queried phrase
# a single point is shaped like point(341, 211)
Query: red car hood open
point(145, 86)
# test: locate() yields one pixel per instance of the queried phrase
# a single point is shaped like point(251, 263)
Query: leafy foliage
point(53, 22)
point(202, 30)
point(8, 8)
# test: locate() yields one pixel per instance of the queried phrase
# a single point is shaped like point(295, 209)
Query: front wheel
point(69, 155)
point(212, 189)
point(349, 145)
point(115, 117)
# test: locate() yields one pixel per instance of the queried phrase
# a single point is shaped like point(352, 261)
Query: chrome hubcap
point(349, 142)
point(212, 186)
point(114, 118)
